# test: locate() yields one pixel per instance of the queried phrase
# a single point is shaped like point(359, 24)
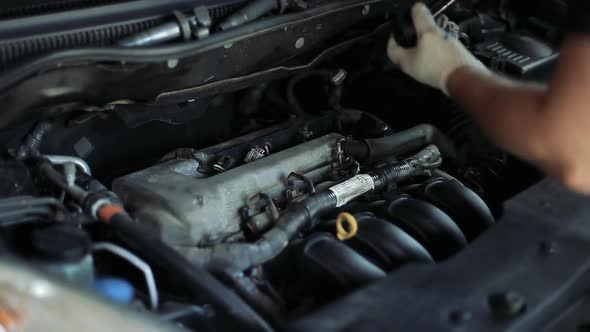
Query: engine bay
point(277, 173)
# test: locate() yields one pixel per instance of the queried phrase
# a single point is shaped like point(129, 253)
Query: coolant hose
point(245, 255)
point(197, 281)
point(399, 143)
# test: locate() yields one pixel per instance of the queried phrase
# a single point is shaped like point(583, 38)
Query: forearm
point(509, 112)
point(547, 126)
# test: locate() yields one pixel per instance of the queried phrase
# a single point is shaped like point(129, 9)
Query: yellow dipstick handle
point(341, 232)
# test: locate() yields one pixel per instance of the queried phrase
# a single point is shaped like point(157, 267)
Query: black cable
point(242, 256)
point(77, 193)
point(33, 140)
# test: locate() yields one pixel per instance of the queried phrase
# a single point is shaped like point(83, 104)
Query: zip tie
point(341, 232)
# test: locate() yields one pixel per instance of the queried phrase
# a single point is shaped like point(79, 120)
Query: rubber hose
point(197, 281)
point(251, 293)
point(403, 142)
point(90, 184)
point(33, 140)
point(388, 174)
point(246, 255)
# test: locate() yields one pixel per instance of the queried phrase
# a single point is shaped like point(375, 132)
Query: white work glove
point(437, 54)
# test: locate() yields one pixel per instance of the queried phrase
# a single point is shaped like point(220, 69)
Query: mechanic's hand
point(437, 54)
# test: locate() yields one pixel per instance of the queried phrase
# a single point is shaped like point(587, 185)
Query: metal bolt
point(299, 42)
point(202, 33)
point(507, 304)
point(460, 316)
point(547, 248)
point(366, 9)
point(172, 63)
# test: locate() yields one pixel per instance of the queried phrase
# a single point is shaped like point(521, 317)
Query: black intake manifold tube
point(302, 215)
point(399, 143)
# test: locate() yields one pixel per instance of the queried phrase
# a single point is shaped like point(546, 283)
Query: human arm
point(548, 126)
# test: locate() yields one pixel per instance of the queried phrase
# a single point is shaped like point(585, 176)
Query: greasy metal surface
point(188, 210)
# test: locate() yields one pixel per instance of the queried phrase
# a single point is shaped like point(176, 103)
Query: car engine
point(262, 166)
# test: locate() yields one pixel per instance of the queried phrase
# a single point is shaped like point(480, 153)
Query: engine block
point(189, 211)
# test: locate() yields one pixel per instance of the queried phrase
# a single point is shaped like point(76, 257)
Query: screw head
point(299, 42)
point(507, 304)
